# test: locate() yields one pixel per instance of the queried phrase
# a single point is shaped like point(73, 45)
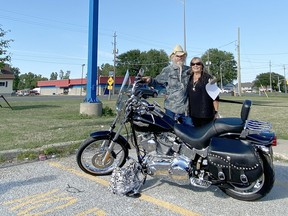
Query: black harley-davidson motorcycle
point(234, 154)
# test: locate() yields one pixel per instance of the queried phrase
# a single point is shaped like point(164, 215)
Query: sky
point(52, 35)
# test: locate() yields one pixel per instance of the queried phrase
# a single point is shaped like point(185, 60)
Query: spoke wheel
point(90, 156)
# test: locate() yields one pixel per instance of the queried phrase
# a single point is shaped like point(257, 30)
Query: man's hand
point(217, 115)
point(146, 79)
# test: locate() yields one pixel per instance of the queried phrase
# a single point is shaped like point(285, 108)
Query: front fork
point(111, 144)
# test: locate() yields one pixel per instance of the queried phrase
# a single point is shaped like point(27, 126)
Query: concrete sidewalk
point(281, 149)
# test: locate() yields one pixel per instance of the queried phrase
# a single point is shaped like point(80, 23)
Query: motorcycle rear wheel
point(257, 190)
point(90, 154)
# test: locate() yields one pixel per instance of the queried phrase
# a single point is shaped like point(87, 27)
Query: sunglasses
point(196, 63)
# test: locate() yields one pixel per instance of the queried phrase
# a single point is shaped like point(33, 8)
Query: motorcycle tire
point(89, 156)
point(259, 188)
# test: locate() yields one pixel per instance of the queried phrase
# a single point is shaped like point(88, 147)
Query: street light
point(184, 22)
point(82, 79)
point(208, 63)
point(221, 80)
point(184, 2)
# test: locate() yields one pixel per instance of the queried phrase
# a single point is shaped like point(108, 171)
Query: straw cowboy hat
point(178, 50)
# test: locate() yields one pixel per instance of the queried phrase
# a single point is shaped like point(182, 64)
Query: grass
point(33, 124)
point(36, 123)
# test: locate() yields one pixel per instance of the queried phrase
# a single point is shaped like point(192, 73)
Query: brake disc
point(97, 161)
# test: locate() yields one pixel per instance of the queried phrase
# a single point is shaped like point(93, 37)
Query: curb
point(11, 155)
point(280, 156)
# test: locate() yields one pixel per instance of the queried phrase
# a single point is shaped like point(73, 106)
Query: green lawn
point(36, 123)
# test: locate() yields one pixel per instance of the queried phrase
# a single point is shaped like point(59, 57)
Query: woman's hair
point(200, 60)
point(197, 58)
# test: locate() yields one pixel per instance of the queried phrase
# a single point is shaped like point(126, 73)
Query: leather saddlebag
point(234, 161)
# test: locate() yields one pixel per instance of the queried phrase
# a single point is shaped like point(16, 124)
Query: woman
point(202, 108)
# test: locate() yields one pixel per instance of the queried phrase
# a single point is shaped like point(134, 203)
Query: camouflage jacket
point(176, 82)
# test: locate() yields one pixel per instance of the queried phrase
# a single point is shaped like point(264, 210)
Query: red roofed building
point(77, 86)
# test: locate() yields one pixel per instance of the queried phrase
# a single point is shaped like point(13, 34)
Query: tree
point(221, 59)
point(61, 74)
point(64, 76)
point(16, 80)
point(67, 75)
point(105, 68)
point(54, 76)
point(29, 80)
point(130, 60)
point(263, 80)
point(4, 45)
point(152, 61)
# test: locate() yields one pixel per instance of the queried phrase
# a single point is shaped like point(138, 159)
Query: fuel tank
point(146, 123)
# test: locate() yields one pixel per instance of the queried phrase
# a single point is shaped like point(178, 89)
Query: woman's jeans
point(179, 117)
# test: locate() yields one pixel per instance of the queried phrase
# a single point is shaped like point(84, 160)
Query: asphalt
point(280, 152)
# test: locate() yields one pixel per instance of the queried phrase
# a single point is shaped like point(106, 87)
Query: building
point(6, 80)
point(77, 86)
point(246, 87)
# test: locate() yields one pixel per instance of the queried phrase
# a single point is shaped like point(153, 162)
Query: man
point(175, 78)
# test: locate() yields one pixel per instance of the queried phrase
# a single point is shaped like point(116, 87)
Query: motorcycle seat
point(200, 137)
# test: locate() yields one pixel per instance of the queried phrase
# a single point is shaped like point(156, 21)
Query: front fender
point(104, 134)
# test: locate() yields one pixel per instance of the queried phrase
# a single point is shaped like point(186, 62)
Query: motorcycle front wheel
point(91, 153)
point(257, 190)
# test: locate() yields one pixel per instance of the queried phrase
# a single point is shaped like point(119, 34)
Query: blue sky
point(53, 35)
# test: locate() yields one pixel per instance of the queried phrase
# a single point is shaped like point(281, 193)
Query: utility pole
point(285, 82)
point(208, 63)
point(238, 65)
point(115, 52)
point(278, 84)
point(270, 77)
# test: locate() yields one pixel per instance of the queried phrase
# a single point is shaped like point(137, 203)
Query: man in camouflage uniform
point(175, 78)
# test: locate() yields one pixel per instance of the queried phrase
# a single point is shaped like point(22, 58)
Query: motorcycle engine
point(163, 143)
point(172, 168)
point(162, 160)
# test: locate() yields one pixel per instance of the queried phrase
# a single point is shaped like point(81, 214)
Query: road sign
point(110, 81)
point(111, 73)
point(110, 87)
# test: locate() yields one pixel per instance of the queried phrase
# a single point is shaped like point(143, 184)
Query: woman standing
point(202, 108)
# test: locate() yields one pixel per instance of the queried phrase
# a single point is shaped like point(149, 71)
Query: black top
point(200, 103)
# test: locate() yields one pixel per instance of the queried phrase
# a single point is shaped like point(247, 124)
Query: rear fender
point(263, 146)
point(104, 134)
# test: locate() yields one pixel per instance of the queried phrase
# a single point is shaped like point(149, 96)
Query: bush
point(107, 111)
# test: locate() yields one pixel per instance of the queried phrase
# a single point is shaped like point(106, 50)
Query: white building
point(6, 80)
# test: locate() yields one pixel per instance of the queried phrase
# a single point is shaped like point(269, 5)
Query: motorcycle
point(232, 153)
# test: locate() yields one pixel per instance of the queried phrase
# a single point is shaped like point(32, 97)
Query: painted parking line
point(41, 204)
point(45, 203)
point(94, 211)
point(147, 198)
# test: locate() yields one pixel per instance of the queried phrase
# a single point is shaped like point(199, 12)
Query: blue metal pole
point(92, 68)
